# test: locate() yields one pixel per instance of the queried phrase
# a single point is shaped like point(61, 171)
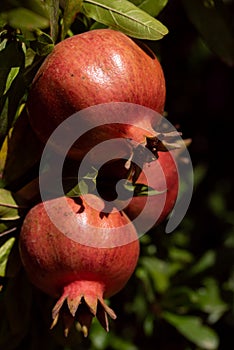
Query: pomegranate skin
point(162, 174)
point(76, 273)
point(95, 67)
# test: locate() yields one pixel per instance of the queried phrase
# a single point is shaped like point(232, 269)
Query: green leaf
point(151, 6)
point(11, 56)
point(126, 17)
point(5, 250)
point(22, 18)
point(139, 189)
point(53, 9)
point(11, 76)
point(8, 206)
point(192, 328)
point(215, 24)
point(182, 255)
point(11, 63)
point(159, 272)
point(209, 300)
point(72, 8)
point(43, 44)
point(205, 262)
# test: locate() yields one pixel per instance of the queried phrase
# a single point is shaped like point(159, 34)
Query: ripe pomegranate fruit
point(95, 67)
point(80, 275)
point(160, 175)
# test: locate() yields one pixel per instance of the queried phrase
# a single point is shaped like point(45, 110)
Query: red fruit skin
point(162, 175)
point(64, 268)
point(95, 67)
point(52, 260)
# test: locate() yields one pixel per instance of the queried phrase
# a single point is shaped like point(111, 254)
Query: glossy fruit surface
point(80, 275)
point(95, 67)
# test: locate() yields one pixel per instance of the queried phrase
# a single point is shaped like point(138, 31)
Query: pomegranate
point(92, 68)
point(160, 175)
point(79, 275)
point(163, 176)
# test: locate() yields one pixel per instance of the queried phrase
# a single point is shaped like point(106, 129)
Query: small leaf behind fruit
point(5, 250)
point(124, 16)
point(139, 189)
point(192, 328)
point(72, 8)
point(53, 9)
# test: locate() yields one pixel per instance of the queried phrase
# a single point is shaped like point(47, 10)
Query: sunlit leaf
point(11, 76)
point(126, 17)
point(194, 330)
point(8, 206)
point(5, 250)
point(139, 189)
point(11, 63)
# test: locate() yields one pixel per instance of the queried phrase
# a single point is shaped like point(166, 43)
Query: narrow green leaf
point(11, 76)
point(53, 8)
point(213, 21)
point(11, 56)
point(139, 189)
point(72, 8)
point(205, 262)
point(8, 206)
point(23, 18)
point(192, 328)
point(124, 16)
point(5, 250)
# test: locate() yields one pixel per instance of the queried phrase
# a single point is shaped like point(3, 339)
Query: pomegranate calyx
point(84, 301)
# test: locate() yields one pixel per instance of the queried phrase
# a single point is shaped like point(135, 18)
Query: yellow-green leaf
point(124, 16)
point(5, 250)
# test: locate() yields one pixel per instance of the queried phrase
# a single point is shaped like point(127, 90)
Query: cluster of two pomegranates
point(85, 260)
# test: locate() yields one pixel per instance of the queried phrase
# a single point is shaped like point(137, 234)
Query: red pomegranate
point(80, 275)
point(160, 175)
point(92, 68)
